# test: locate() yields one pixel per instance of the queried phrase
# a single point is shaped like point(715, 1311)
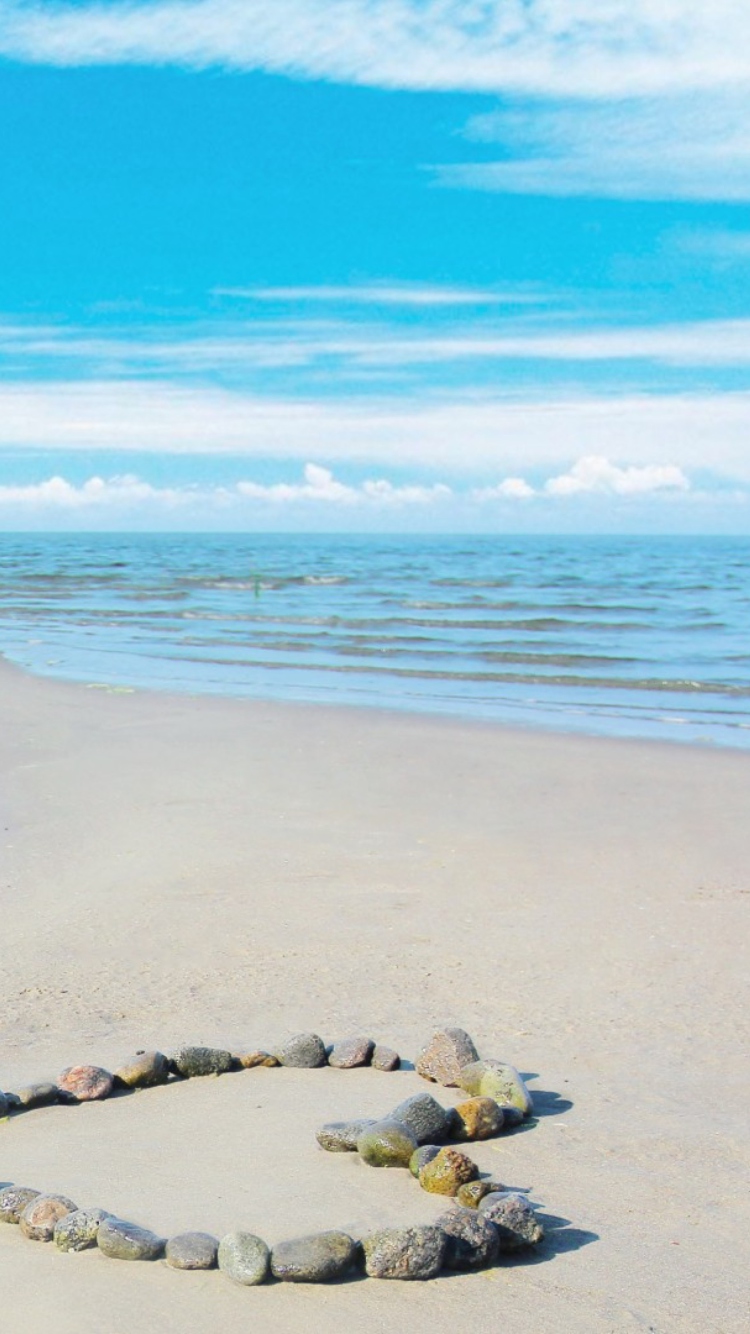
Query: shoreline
point(180, 868)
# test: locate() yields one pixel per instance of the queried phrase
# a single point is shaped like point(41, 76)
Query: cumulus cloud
point(595, 473)
point(512, 488)
point(57, 493)
point(319, 484)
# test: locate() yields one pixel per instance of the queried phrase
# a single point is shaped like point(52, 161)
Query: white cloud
point(595, 473)
point(574, 47)
point(319, 484)
point(460, 434)
point(382, 294)
point(671, 147)
point(57, 493)
point(512, 488)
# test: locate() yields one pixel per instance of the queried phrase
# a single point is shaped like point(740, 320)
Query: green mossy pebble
point(471, 1194)
point(244, 1258)
point(421, 1156)
point(495, 1079)
point(316, 1259)
point(387, 1144)
point(77, 1231)
point(405, 1252)
point(447, 1171)
point(477, 1119)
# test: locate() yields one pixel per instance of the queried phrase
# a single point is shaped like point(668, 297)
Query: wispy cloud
point(458, 435)
point(599, 48)
point(384, 294)
point(678, 147)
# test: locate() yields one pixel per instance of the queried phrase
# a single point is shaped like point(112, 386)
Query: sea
point(615, 636)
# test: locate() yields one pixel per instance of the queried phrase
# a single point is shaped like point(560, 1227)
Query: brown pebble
point(478, 1118)
point(248, 1060)
point(40, 1215)
point(85, 1083)
point(385, 1058)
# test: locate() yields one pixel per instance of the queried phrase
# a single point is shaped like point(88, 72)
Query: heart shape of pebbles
point(419, 1134)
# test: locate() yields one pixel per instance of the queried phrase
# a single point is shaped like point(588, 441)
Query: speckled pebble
point(385, 1058)
point(42, 1213)
point(192, 1250)
point(85, 1083)
point(351, 1052)
point(477, 1118)
point(424, 1116)
point(448, 1170)
point(473, 1240)
point(13, 1201)
point(443, 1057)
point(244, 1258)
point(514, 1218)
point(305, 1051)
point(405, 1252)
point(77, 1231)
point(192, 1062)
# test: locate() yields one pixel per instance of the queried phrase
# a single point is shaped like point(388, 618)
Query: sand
point(195, 870)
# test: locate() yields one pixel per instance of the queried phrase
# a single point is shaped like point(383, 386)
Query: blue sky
point(375, 264)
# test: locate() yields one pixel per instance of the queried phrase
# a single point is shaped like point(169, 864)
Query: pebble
point(38, 1095)
point(385, 1058)
point(306, 1051)
point(496, 1079)
point(514, 1218)
point(126, 1241)
point(448, 1170)
point(478, 1118)
point(192, 1250)
point(13, 1201)
point(42, 1213)
point(77, 1231)
point(144, 1070)
point(247, 1060)
point(317, 1259)
point(4, 1106)
point(342, 1136)
point(405, 1252)
point(387, 1144)
point(473, 1241)
point(244, 1258)
point(422, 1156)
point(444, 1056)
point(424, 1116)
point(471, 1194)
point(351, 1052)
point(85, 1083)
point(192, 1062)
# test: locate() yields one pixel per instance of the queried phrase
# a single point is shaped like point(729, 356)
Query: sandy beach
point(205, 870)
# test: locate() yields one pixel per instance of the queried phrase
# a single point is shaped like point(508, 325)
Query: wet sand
point(195, 870)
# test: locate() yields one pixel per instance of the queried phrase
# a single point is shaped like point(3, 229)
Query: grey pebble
point(424, 1116)
point(195, 1061)
point(144, 1070)
point(244, 1258)
point(126, 1241)
point(38, 1095)
point(5, 1105)
point(405, 1252)
point(342, 1136)
point(77, 1230)
point(13, 1201)
point(316, 1259)
point(192, 1250)
point(473, 1241)
point(306, 1051)
point(385, 1058)
point(351, 1052)
point(514, 1218)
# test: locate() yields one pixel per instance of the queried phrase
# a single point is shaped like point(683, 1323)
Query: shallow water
point(617, 636)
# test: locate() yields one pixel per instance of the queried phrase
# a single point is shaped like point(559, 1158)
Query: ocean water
point(631, 637)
